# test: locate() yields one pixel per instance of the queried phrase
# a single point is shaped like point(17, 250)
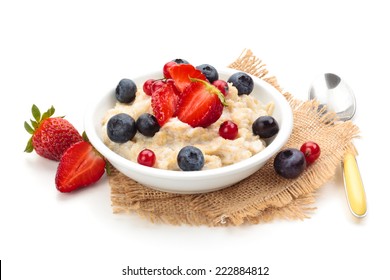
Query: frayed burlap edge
point(293, 202)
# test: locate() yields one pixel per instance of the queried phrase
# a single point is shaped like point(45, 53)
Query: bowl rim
point(270, 150)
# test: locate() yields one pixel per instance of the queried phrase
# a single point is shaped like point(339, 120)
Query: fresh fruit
point(147, 124)
point(121, 128)
point(51, 137)
point(209, 71)
point(80, 166)
point(311, 150)
point(147, 86)
point(166, 68)
point(228, 130)
point(265, 127)
point(201, 104)
point(222, 86)
point(146, 157)
point(171, 81)
point(243, 82)
point(182, 73)
point(164, 102)
point(156, 85)
point(190, 158)
point(125, 91)
point(290, 163)
point(181, 61)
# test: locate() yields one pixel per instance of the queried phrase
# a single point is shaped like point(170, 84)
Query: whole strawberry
point(51, 137)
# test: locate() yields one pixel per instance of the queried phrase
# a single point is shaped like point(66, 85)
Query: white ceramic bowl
point(194, 181)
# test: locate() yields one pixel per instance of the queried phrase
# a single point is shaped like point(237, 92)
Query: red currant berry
point(222, 86)
point(156, 85)
point(311, 150)
point(146, 157)
point(147, 87)
point(166, 68)
point(228, 130)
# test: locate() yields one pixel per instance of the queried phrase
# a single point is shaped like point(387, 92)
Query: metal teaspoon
point(331, 91)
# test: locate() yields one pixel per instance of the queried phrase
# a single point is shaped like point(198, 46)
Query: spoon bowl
point(334, 93)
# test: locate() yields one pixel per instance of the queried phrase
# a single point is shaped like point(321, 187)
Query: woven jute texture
point(263, 196)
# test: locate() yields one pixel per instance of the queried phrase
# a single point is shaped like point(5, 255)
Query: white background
point(68, 53)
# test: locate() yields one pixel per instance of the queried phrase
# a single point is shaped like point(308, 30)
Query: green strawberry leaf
point(36, 113)
point(108, 168)
point(48, 113)
point(34, 124)
point(85, 136)
point(28, 128)
point(29, 148)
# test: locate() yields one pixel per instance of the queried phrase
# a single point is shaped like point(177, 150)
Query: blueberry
point(243, 82)
point(121, 128)
point(290, 163)
point(147, 125)
point(209, 71)
point(190, 158)
point(180, 61)
point(125, 91)
point(265, 127)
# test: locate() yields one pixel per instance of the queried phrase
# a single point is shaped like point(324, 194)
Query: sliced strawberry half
point(182, 73)
point(80, 166)
point(164, 103)
point(201, 104)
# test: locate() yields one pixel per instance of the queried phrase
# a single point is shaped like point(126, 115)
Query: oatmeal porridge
point(242, 109)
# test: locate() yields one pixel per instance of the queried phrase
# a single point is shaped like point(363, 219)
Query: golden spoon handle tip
point(354, 186)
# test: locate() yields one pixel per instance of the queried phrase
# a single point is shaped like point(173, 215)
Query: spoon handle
point(354, 186)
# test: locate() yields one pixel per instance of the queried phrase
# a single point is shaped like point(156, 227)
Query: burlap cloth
point(263, 196)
